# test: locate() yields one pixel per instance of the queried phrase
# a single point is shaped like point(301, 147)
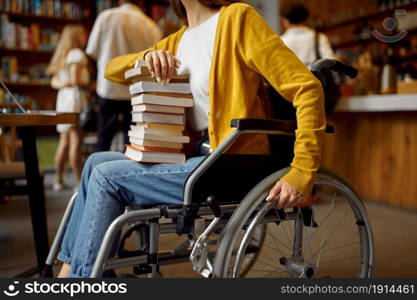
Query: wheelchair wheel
point(329, 238)
point(252, 250)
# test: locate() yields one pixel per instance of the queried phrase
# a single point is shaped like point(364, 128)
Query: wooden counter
point(377, 152)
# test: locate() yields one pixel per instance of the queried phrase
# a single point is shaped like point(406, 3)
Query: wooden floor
point(394, 231)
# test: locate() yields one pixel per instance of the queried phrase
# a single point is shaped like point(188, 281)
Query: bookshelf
point(23, 17)
point(350, 30)
point(368, 17)
point(17, 51)
point(23, 61)
point(33, 83)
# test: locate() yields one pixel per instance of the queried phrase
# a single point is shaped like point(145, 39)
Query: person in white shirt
point(117, 31)
point(305, 42)
point(70, 76)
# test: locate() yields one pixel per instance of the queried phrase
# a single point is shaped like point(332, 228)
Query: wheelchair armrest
point(269, 125)
point(244, 126)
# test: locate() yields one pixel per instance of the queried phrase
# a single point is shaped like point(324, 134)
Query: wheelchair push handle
point(334, 65)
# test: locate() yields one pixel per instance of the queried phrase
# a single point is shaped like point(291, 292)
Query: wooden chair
point(10, 174)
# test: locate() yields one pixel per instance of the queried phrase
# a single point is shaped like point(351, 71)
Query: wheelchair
point(227, 229)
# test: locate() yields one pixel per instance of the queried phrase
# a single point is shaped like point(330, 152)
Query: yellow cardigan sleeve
point(117, 67)
point(265, 53)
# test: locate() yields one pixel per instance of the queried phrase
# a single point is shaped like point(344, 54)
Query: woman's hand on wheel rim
point(285, 195)
point(162, 65)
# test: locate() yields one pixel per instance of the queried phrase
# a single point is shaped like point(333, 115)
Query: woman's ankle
point(65, 270)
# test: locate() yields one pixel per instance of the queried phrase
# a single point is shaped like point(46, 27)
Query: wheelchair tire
point(287, 250)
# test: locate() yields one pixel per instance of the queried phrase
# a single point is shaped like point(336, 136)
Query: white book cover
point(161, 100)
point(159, 109)
point(155, 157)
point(154, 131)
point(169, 127)
point(162, 138)
point(144, 117)
point(145, 86)
point(142, 142)
point(141, 71)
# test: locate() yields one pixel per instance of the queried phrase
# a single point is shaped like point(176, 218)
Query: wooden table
point(26, 124)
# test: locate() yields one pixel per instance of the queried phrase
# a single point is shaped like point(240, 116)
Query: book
point(140, 130)
point(141, 73)
point(158, 109)
point(142, 142)
point(154, 157)
point(161, 138)
point(143, 87)
point(163, 99)
point(154, 149)
point(146, 117)
point(163, 127)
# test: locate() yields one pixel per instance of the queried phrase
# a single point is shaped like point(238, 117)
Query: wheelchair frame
point(182, 219)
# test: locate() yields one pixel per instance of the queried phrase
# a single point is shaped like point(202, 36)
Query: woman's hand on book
point(162, 65)
point(285, 195)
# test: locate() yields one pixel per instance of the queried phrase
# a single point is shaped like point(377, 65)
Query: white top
point(301, 41)
point(195, 52)
point(75, 56)
point(119, 31)
point(72, 99)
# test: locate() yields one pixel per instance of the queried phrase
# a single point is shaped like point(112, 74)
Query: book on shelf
point(158, 109)
point(159, 144)
point(161, 138)
point(145, 86)
point(103, 5)
point(154, 157)
point(17, 36)
point(44, 8)
point(169, 99)
point(9, 68)
point(145, 117)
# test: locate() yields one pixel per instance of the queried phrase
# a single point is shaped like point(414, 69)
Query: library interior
point(137, 82)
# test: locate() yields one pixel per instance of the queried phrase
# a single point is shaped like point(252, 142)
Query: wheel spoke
point(337, 241)
point(324, 241)
point(276, 250)
point(282, 223)
point(277, 240)
point(344, 246)
point(331, 210)
point(341, 259)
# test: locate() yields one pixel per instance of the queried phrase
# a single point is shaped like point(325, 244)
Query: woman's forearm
point(56, 83)
point(75, 75)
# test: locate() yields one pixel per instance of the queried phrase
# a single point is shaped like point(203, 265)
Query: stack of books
point(158, 114)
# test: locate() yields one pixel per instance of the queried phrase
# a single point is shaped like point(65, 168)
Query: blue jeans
point(110, 182)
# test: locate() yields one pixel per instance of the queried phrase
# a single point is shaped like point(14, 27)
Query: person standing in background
point(306, 43)
point(117, 31)
point(70, 75)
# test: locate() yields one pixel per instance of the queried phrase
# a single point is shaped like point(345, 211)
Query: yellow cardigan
point(246, 50)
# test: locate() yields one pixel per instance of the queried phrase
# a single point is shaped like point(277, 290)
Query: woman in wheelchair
point(227, 49)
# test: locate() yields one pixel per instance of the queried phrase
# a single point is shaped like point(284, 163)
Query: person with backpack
point(308, 44)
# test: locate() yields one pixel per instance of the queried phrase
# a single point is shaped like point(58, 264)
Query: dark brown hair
point(179, 8)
